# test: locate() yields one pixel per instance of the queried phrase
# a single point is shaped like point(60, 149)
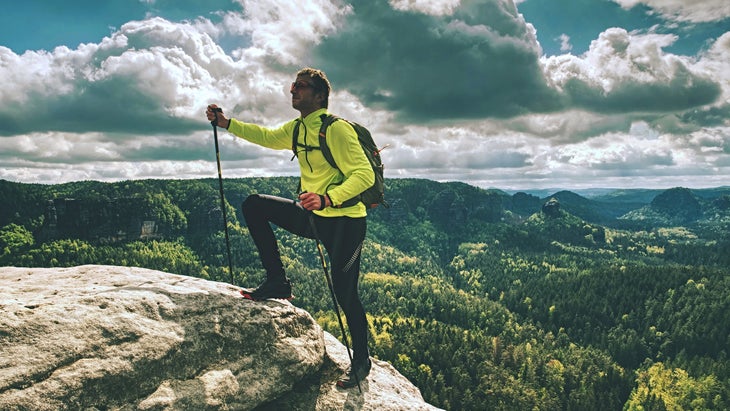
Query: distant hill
point(590, 210)
point(603, 209)
point(681, 206)
point(641, 208)
point(552, 223)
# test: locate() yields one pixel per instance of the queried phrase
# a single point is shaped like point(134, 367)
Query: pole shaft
point(223, 201)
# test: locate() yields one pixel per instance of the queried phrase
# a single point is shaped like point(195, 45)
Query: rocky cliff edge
point(120, 338)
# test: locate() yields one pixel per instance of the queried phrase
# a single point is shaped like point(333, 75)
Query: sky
point(515, 95)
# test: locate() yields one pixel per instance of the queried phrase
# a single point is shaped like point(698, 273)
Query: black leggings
point(342, 237)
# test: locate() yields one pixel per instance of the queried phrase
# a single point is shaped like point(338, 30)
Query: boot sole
point(346, 386)
point(350, 383)
point(247, 295)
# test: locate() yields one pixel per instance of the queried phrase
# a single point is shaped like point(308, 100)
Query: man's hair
point(320, 82)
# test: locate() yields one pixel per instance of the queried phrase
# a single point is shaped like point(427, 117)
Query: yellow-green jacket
point(355, 174)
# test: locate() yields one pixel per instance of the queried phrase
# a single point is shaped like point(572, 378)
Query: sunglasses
point(300, 85)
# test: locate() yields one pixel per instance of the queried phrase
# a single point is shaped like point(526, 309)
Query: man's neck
point(305, 114)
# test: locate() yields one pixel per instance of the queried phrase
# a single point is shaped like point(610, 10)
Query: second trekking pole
point(334, 297)
point(214, 123)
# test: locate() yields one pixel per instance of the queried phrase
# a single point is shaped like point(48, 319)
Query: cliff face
point(104, 337)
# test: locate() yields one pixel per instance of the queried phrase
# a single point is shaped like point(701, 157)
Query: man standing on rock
point(325, 189)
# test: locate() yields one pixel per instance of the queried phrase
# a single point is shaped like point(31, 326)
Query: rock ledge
point(107, 337)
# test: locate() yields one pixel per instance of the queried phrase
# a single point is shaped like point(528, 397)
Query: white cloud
point(283, 30)
point(431, 7)
point(569, 126)
point(715, 63)
point(632, 151)
point(695, 11)
point(32, 74)
point(565, 45)
point(615, 57)
point(624, 72)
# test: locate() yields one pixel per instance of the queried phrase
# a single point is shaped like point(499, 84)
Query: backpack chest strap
point(297, 147)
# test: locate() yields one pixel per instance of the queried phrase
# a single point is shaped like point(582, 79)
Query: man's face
point(304, 97)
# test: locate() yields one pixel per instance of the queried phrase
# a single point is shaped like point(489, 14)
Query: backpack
point(371, 197)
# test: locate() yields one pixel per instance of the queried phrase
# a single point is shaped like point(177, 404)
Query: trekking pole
point(214, 123)
point(334, 298)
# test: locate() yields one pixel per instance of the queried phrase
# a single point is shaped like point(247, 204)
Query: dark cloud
point(482, 61)
point(693, 120)
point(682, 92)
point(708, 117)
point(501, 159)
point(112, 106)
point(168, 148)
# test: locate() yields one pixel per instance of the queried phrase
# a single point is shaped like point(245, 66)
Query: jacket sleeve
point(351, 160)
point(277, 138)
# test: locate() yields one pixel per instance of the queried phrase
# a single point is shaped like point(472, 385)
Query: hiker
point(324, 189)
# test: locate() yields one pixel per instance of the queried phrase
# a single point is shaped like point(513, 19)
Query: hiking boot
point(357, 371)
point(280, 288)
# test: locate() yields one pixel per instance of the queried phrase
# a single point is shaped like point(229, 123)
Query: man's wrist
point(322, 201)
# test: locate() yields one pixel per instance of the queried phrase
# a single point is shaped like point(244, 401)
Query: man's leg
point(260, 211)
point(343, 237)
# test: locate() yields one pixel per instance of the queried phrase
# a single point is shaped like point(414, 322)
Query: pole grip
point(215, 111)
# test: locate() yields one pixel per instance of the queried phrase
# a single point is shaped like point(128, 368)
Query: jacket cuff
point(335, 202)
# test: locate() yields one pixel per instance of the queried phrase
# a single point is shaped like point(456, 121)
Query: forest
point(484, 299)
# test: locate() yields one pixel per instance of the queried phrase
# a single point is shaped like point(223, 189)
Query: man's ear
point(320, 98)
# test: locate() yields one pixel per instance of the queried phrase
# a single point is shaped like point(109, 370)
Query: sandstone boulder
point(119, 338)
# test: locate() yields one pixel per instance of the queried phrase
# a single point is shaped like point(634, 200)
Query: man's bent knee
point(250, 201)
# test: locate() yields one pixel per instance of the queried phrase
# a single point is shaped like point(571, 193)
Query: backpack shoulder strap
point(294, 136)
point(326, 121)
